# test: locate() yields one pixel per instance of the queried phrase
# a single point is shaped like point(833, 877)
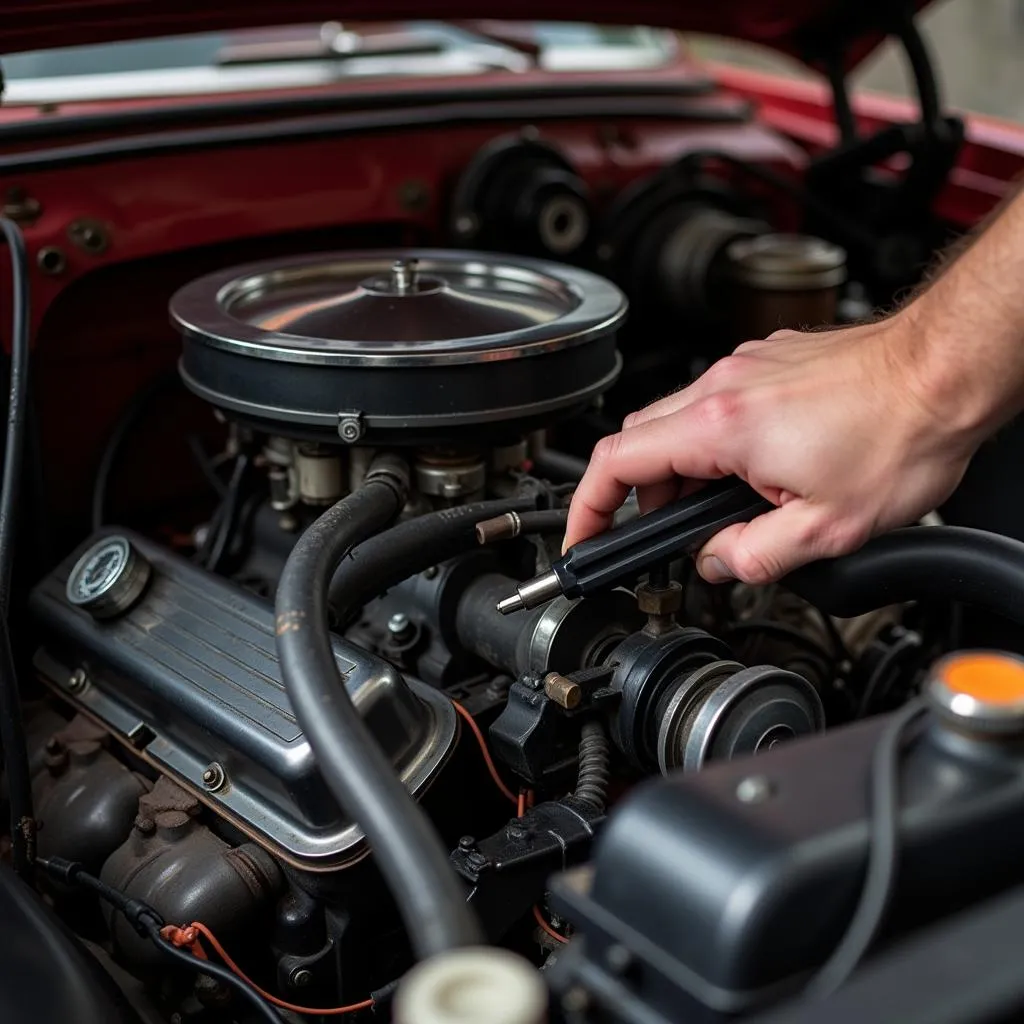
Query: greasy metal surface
point(189, 676)
point(173, 862)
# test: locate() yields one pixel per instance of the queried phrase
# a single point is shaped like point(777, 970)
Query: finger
point(767, 548)
point(654, 496)
point(662, 407)
point(691, 443)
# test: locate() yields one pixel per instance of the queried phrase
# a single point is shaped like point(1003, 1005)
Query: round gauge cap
point(108, 579)
point(982, 691)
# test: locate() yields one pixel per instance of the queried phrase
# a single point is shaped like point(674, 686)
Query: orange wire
point(522, 802)
point(526, 800)
point(190, 937)
point(539, 918)
point(486, 753)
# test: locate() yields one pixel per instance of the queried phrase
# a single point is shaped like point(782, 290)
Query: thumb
point(765, 549)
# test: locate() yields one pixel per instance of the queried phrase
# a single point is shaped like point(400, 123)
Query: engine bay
point(311, 395)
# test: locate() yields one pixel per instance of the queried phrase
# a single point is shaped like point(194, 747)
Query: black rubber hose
point(227, 520)
point(15, 751)
point(12, 727)
point(559, 467)
point(595, 766)
point(517, 524)
point(17, 405)
point(410, 547)
point(408, 851)
point(140, 404)
point(952, 563)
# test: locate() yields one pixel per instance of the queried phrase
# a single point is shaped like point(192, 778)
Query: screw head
point(213, 776)
point(78, 680)
point(466, 843)
point(754, 789)
point(301, 977)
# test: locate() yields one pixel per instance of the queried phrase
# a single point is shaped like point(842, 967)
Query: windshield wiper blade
point(332, 43)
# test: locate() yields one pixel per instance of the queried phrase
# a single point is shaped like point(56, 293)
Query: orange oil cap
point(982, 690)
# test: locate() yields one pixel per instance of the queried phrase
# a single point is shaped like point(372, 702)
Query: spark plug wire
point(188, 938)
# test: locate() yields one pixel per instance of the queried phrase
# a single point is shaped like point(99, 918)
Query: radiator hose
point(406, 847)
point(952, 563)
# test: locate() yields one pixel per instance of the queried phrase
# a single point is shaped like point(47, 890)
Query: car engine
point(282, 724)
point(169, 718)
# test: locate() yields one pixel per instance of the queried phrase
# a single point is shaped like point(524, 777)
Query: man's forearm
point(965, 333)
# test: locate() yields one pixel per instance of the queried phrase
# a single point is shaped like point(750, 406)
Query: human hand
point(841, 430)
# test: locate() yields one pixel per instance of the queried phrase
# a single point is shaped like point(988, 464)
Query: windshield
point(310, 55)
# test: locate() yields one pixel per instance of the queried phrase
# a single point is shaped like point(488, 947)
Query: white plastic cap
point(478, 985)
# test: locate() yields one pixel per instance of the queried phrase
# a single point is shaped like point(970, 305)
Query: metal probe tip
point(532, 593)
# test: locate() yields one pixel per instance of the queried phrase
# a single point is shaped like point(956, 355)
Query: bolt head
point(301, 977)
point(78, 680)
point(213, 776)
point(466, 843)
point(398, 624)
point(350, 430)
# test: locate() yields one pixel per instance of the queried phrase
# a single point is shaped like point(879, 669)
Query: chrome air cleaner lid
point(368, 346)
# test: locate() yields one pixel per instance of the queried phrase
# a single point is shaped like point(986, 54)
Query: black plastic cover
point(729, 904)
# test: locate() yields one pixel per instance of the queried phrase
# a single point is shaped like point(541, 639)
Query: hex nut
point(660, 600)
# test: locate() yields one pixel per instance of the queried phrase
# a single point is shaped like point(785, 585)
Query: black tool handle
point(680, 528)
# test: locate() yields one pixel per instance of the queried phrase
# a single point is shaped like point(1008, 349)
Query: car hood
point(802, 28)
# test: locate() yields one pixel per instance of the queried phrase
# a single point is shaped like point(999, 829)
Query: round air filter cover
point(399, 345)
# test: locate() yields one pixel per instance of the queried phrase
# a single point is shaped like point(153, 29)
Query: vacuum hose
point(408, 851)
point(410, 547)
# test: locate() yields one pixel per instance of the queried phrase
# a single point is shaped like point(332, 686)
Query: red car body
point(166, 189)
